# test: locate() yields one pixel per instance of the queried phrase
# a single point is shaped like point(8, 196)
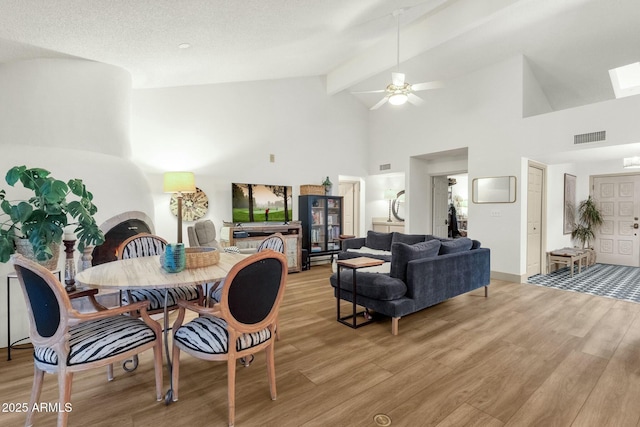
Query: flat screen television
point(260, 203)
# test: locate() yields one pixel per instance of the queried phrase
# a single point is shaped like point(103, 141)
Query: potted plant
point(42, 218)
point(589, 219)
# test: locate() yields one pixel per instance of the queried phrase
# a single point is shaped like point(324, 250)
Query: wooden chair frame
point(235, 329)
point(59, 341)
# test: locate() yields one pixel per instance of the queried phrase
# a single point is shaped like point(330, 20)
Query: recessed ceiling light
point(184, 45)
point(626, 80)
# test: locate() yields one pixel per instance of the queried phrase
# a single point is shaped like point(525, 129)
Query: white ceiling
point(570, 44)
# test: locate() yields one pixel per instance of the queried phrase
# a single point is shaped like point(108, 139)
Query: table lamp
point(179, 183)
point(389, 195)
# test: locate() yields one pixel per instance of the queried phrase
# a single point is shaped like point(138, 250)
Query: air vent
point(385, 167)
point(590, 137)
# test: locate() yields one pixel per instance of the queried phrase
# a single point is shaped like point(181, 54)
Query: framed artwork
point(194, 205)
point(569, 213)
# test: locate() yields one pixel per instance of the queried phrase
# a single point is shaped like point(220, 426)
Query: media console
point(249, 235)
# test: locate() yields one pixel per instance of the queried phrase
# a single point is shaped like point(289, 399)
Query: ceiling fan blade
point(380, 103)
point(427, 85)
point(371, 91)
point(415, 100)
point(397, 79)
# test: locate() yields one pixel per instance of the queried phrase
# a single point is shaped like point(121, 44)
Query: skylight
point(626, 80)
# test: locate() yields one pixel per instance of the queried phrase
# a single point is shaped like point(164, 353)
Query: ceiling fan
point(399, 91)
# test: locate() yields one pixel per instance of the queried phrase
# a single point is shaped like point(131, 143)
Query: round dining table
point(147, 273)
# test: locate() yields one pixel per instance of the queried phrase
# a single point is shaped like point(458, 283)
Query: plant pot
point(24, 248)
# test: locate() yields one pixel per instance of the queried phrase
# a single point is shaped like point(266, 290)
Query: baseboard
point(508, 277)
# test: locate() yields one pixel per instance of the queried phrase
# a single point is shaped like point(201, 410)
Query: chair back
point(203, 233)
point(141, 245)
point(46, 298)
point(253, 291)
point(274, 242)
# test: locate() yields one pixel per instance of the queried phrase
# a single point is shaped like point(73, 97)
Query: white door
point(617, 239)
point(440, 206)
point(351, 196)
point(534, 221)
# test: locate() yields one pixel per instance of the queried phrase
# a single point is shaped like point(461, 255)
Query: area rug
point(613, 281)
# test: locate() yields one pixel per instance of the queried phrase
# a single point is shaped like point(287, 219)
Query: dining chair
point(245, 317)
point(275, 242)
point(142, 245)
point(66, 341)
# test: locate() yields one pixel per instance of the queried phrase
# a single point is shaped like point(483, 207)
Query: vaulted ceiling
point(569, 44)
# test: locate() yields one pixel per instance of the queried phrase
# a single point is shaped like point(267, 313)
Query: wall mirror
point(498, 189)
point(398, 206)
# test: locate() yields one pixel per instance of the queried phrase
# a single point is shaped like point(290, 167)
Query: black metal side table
point(353, 264)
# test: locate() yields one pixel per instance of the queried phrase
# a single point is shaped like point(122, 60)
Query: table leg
point(338, 296)
point(8, 320)
point(168, 398)
point(353, 292)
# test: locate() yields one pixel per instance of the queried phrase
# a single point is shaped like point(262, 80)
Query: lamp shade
point(179, 182)
point(398, 99)
point(389, 194)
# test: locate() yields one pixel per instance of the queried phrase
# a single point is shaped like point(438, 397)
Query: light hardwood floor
point(527, 355)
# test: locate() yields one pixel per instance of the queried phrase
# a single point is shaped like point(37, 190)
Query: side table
point(354, 264)
point(78, 293)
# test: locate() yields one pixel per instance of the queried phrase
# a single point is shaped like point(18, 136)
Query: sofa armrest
point(445, 276)
point(355, 243)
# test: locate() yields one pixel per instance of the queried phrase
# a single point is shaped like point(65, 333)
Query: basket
point(313, 190)
point(202, 257)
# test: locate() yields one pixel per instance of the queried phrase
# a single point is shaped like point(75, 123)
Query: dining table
point(147, 273)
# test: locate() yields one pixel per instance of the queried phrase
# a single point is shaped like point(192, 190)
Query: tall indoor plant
point(589, 219)
point(43, 217)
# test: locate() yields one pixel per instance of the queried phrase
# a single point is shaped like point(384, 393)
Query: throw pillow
point(409, 239)
point(454, 246)
point(475, 244)
point(401, 254)
point(376, 240)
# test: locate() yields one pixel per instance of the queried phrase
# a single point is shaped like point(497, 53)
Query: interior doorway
point(536, 177)
point(350, 191)
point(450, 205)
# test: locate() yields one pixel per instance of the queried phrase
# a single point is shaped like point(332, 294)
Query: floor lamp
point(389, 195)
point(179, 183)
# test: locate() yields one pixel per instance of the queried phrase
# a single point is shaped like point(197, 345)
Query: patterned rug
point(613, 281)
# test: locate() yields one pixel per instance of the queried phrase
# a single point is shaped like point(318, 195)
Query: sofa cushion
point(409, 239)
point(454, 246)
point(371, 285)
point(401, 254)
point(376, 240)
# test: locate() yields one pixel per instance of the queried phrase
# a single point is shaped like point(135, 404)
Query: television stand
point(249, 236)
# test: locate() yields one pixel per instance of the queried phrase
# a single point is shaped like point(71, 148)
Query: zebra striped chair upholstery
point(66, 341)
point(245, 317)
point(144, 244)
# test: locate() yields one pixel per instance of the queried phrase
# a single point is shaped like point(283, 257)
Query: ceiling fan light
point(397, 99)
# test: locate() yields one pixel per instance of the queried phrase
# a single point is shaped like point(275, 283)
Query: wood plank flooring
point(525, 356)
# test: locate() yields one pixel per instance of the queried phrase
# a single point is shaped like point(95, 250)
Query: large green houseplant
point(43, 217)
point(589, 219)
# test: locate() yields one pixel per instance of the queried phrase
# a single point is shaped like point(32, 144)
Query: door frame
point(543, 216)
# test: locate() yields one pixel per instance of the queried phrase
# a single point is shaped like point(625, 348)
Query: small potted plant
point(589, 220)
point(41, 219)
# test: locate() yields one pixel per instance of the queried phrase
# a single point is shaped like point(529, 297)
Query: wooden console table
point(250, 235)
point(568, 257)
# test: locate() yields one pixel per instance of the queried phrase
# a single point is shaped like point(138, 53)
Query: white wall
point(226, 132)
point(72, 118)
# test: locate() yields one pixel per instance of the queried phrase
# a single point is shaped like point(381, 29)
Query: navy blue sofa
point(422, 274)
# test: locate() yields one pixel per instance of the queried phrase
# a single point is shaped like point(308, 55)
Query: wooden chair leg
point(64, 386)
point(175, 371)
point(36, 390)
point(486, 291)
point(231, 389)
point(157, 362)
point(277, 328)
point(271, 370)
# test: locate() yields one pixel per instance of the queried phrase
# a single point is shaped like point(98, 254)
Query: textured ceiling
point(570, 44)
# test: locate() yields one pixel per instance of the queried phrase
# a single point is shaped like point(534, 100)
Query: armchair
point(66, 341)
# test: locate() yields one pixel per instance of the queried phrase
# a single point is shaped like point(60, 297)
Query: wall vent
point(385, 167)
point(590, 137)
